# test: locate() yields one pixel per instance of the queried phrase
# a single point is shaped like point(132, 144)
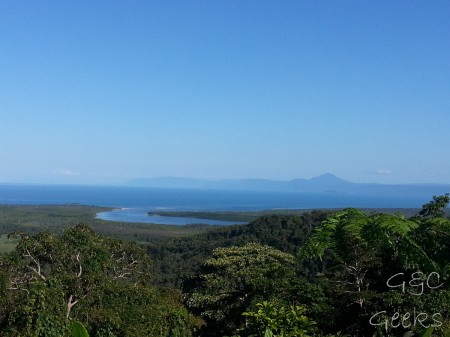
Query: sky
point(100, 92)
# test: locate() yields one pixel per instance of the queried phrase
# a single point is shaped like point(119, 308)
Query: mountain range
point(323, 183)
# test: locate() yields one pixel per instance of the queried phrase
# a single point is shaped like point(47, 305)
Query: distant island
point(327, 183)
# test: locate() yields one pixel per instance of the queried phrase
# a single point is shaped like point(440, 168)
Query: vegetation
point(248, 216)
point(225, 216)
point(179, 259)
point(104, 283)
point(234, 279)
point(320, 273)
point(56, 218)
point(7, 244)
point(273, 320)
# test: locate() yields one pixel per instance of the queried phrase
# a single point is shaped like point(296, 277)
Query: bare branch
point(125, 271)
point(123, 275)
point(121, 258)
point(81, 269)
point(38, 265)
point(23, 289)
point(16, 285)
point(70, 304)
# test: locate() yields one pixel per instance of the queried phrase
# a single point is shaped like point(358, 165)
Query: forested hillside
point(177, 259)
point(356, 274)
point(50, 280)
point(342, 273)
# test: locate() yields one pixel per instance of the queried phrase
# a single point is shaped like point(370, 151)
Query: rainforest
point(342, 272)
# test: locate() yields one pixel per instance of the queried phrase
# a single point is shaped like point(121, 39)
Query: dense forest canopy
point(318, 273)
point(105, 283)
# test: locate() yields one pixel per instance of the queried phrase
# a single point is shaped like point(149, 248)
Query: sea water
point(134, 203)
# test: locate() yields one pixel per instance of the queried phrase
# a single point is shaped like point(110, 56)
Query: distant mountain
point(323, 183)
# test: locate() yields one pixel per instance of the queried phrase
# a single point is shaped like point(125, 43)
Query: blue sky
point(105, 91)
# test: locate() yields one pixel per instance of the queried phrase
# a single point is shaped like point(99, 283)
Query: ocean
point(133, 203)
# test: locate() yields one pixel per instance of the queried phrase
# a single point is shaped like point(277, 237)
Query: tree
point(433, 232)
point(359, 253)
point(435, 208)
point(272, 319)
point(104, 283)
point(234, 279)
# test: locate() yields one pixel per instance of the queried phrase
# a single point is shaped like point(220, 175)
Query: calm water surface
point(140, 215)
point(134, 203)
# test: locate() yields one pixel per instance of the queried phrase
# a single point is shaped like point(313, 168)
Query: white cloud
point(382, 172)
point(63, 172)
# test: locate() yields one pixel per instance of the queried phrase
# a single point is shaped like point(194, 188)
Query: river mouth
point(140, 215)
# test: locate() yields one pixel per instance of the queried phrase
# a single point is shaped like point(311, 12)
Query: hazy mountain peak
point(328, 178)
point(324, 183)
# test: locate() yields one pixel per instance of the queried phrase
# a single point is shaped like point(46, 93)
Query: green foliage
point(213, 215)
point(339, 278)
point(7, 244)
point(33, 219)
point(179, 259)
point(428, 332)
point(78, 330)
point(433, 235)
point(233, 280)
point(279, 321)
point(358, 253)
point(102, 282)
point(342, 234)
point(435, 208)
